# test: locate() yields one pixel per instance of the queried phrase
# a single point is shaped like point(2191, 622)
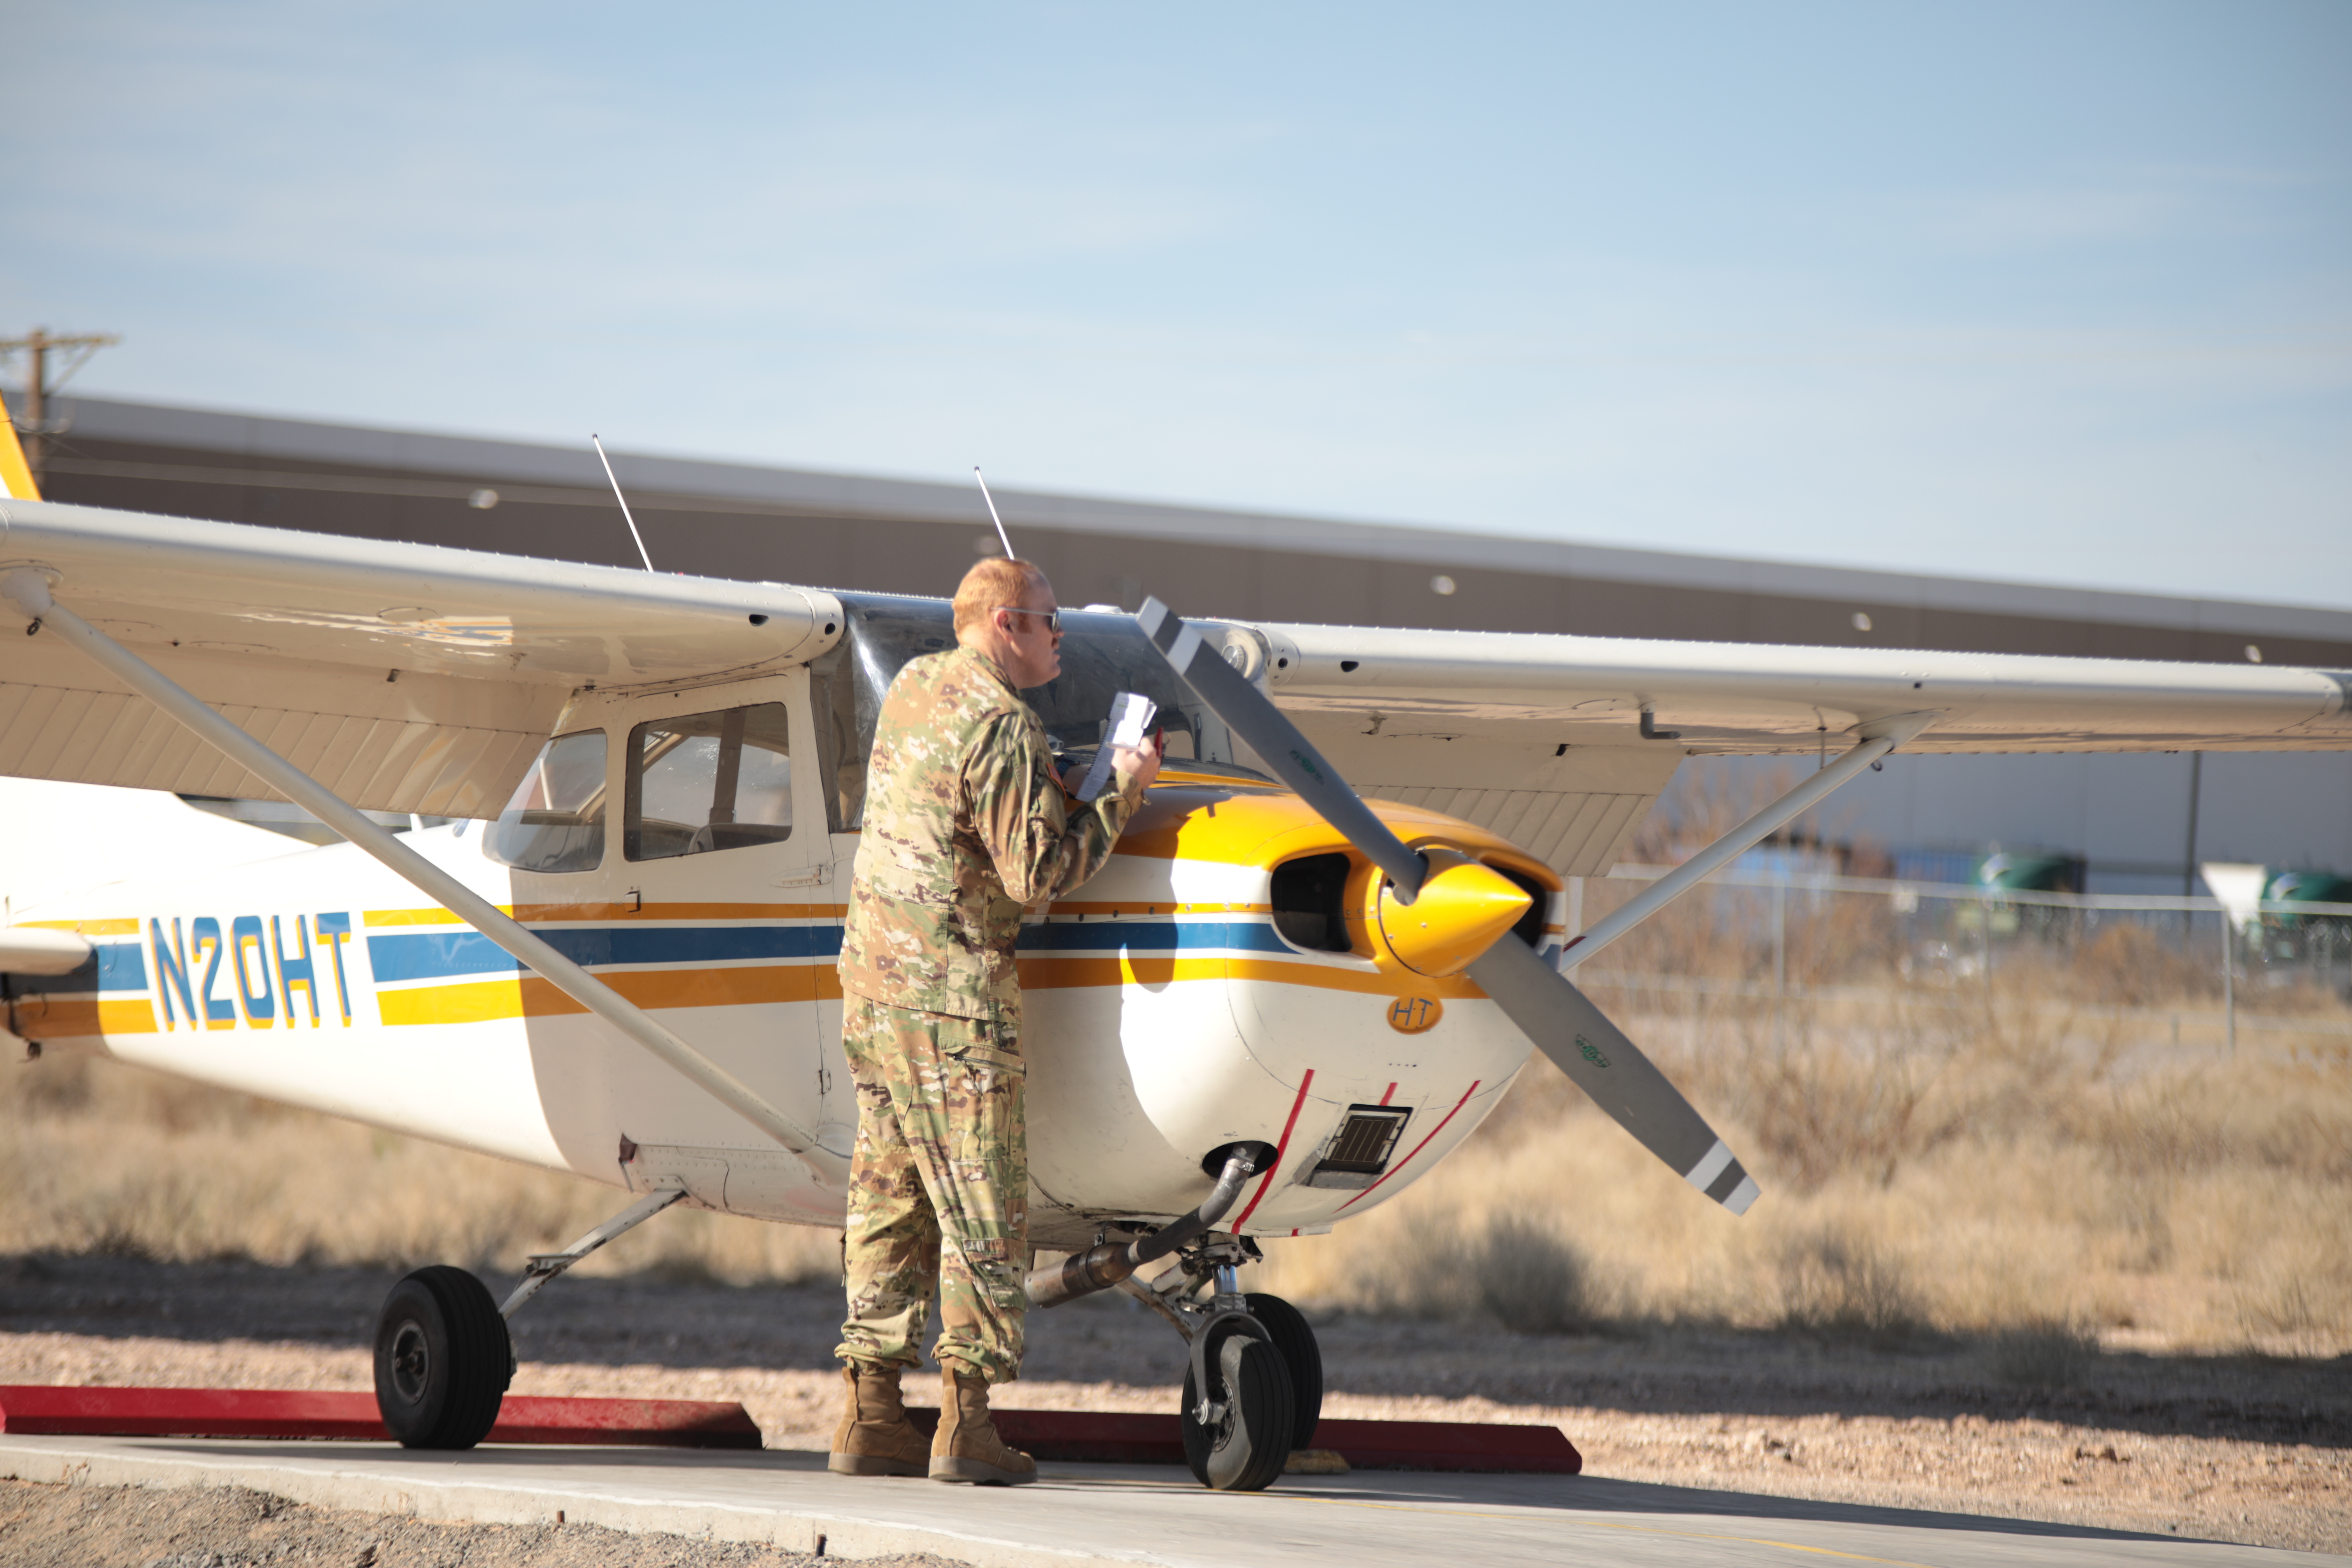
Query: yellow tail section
point(15, 477)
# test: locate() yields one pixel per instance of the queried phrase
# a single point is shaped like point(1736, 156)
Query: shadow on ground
point(1663, 1371)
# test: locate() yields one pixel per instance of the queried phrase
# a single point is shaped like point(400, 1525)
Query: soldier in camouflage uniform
point(966, 826)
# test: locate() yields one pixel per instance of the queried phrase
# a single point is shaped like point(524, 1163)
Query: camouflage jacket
point(966, 824)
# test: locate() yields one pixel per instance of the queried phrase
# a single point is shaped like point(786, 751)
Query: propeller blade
point(1294, 758)
point(1596, 1054)
point(1550, 1011)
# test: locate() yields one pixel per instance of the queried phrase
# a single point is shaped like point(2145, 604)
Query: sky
point(2054, 292)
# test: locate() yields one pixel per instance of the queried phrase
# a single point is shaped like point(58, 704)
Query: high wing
point(406, 678)
point(1733, 698)
point(1563, 743)
point(415, 678)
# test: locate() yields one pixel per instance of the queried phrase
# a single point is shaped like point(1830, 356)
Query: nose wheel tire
point(1243, 1447)
point(1287, 1327)
point(443, 1360)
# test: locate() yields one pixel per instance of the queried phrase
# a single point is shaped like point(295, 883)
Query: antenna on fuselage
point(624, 501)
point(1003, 537)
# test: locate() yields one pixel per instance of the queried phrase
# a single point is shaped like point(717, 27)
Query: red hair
point(990, 585)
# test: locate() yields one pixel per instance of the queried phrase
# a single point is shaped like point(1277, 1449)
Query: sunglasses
point(1053, 618)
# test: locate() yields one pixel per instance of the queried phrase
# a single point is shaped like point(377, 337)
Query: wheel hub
point(412, 1361)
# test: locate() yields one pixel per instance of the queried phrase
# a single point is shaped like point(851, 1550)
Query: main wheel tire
point(1245, 1450)
point(443, 1360)
point(1287, 1327)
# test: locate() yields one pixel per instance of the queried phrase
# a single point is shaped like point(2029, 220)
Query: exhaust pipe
point(1100, 1268)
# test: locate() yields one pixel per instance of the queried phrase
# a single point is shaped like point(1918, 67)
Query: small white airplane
point(1278, 1006)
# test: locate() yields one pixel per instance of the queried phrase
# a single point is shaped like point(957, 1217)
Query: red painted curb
point(303, 1412)
point(1135, 1438)
point(1102, 1437)
point(1450, 1445)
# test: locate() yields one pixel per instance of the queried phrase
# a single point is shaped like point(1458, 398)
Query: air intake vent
point(1360, 1151)
point(1310, 897)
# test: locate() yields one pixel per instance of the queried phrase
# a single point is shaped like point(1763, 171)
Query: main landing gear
point(443, 1356)
point(443, 1360)
point(1254, 1390)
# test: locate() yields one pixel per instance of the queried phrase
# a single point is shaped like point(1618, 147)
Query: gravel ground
point(229, 1526)
point(2244, 1450)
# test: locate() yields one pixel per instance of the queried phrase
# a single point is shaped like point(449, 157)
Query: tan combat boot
point(966, 1446)
point(875, 1438)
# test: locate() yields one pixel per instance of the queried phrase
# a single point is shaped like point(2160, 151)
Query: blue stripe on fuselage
point(459, 949)
point(1149, 936)
point(448, 952)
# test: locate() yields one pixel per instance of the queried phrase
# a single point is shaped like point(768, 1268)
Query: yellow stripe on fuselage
point(75, 1018)
point(528, 996)
point(1133, 969)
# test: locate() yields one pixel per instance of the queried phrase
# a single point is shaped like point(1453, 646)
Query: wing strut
point(28, 590)
point(1880, 736)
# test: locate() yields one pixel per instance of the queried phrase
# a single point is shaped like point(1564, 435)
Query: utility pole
point(35, 423)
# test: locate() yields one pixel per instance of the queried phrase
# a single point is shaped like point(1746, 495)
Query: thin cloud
point(2121, 207)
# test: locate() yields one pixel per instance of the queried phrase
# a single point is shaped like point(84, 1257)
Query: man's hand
point(1137, 766)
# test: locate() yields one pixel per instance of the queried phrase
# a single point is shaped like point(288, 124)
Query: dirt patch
point(229, 1526)
point(2244, 1448)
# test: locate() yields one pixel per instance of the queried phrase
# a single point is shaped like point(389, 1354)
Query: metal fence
point(2271, 966)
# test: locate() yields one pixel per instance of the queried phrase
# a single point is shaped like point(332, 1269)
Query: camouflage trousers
point(939, 1189)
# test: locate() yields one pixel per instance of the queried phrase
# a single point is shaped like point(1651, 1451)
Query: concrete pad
point(1081, 1514)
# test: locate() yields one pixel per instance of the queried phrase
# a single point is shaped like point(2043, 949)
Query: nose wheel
point(443, 1360)
point(1264, 1396)
point(1237, 1432)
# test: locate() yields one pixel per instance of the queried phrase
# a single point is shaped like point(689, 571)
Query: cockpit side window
point(555, 822)
point(705, 782)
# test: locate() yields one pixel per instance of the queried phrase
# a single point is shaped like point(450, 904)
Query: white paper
point(1131, 714)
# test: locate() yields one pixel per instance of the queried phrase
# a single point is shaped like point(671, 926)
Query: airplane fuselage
point(1166, 1014)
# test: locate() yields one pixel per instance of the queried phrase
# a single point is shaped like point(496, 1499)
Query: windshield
point(1103, 653)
